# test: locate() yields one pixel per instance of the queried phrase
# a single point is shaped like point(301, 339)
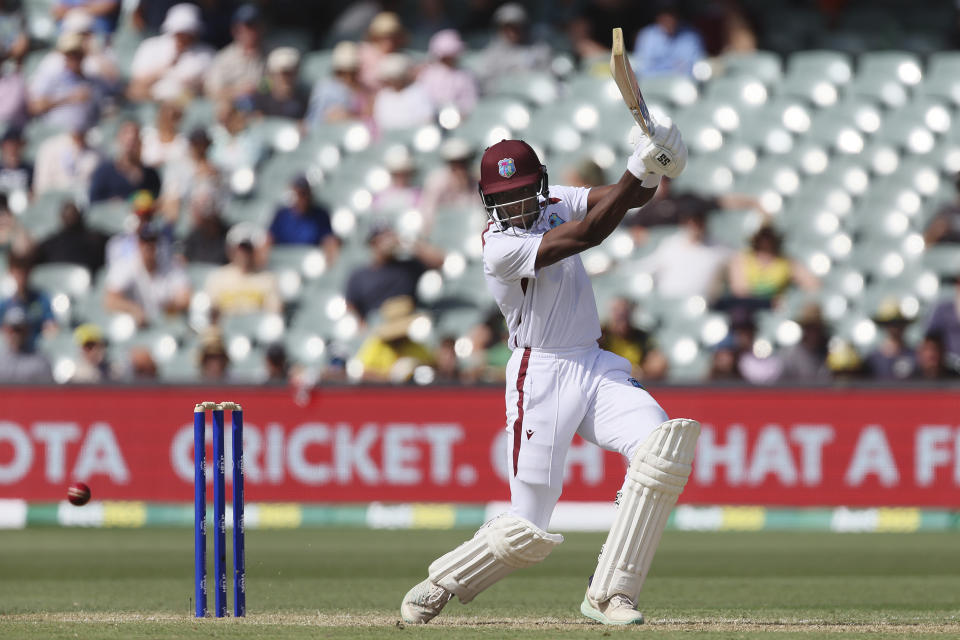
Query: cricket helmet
point(506, 166)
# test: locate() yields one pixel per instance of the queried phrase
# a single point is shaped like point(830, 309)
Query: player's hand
point(663, 154)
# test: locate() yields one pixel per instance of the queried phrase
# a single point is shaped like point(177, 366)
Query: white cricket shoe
point(423, 602)
point(619, 609)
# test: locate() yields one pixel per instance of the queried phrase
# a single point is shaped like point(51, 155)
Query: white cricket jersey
point(548, 308)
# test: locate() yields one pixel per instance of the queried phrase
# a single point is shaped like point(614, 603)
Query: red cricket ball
point(78, 494)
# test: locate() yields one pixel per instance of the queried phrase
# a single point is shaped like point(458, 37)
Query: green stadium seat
point(260, 327)
point(198, 272)
point(181, 368)
point(257, 209)
point(535, 87)
point(704, 176)
point(833, 66)
point(746, 93)
point(942, 259)
point(199, 112)
point(42, 215)
point(250, 370)
point(763, 65)
point(61, 277)
point(677, 91)
point(110, 216)
point(458, 321)
point(306, 347)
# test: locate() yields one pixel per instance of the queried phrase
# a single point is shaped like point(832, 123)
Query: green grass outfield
point(347, 583)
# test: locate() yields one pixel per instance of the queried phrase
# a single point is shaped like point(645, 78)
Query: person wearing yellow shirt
point(390, 355)
point(763, 272)
point(241, 286)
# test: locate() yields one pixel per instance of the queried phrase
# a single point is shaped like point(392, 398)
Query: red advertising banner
point(854, 447)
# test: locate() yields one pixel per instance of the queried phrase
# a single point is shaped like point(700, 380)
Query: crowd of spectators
point(174, 180)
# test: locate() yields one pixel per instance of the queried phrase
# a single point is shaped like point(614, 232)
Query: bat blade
point(626, 81)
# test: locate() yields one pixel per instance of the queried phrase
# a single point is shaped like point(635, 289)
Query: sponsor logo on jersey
point(555, 220)
point(635, 383)
point(507, 168)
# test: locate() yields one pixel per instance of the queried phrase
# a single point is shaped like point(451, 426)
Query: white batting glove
point(663, 154)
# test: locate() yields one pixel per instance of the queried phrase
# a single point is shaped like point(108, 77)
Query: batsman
point(559, 382)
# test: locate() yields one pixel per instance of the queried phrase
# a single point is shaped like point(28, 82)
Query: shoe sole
point(588, 610)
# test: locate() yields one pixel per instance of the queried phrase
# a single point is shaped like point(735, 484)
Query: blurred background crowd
point(285, 191)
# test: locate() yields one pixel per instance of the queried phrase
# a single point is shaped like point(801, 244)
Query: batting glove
point(663, 154)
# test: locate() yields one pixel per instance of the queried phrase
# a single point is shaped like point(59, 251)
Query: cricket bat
point(627, 83)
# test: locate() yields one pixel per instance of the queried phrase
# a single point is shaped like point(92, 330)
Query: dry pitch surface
point(347, 584)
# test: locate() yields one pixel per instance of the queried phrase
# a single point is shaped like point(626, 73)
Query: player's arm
point(597, 194)
point(600, 221)
point(665, 154)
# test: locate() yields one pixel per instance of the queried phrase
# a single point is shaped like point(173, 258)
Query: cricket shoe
point(423, 602)
point(619, 609)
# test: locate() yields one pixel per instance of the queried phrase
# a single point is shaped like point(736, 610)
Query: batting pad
point(657, 474)
point(500, 547)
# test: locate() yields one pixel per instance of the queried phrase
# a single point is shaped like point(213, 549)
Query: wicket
point(219, 515)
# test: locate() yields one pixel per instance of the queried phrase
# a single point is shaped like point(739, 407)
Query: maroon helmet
point(509, 165)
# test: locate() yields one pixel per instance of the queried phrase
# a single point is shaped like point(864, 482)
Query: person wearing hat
point(893, 359)
point(241, 286)
point(393, 270)
point(402, 194)
point(390, 354)
point(103, 14)
point(238, 68)
point(340, 96)
point(99, 60)
point(212, 358)
point(35, 303)
point(74, 242)
point(385, 36)
point(93, 365)
point(401, 103)
point(282, 96)
point(145, 285)
point(668, 46)
point(304, 221)
point(125, 245)
point(19, 363)
point(125, 174)
point(512, 51)
point(172, 65)
point(442, 78)
point(450, 189)
point(806, 361)
point(68, 99)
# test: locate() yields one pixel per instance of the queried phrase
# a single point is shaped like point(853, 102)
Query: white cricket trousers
point(553, 394)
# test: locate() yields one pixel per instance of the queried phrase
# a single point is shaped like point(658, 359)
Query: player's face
point(518, 207)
